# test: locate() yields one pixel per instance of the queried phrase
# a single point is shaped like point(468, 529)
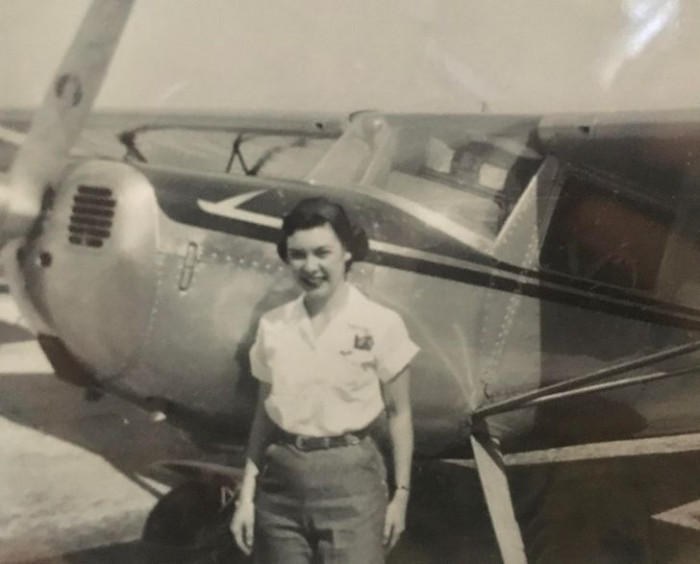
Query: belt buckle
point(299, 442)
point(326, 442)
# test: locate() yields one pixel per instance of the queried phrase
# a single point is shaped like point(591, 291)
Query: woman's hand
point(243, 525)
point(243, 522)
point(395, 520)
point(398, 409)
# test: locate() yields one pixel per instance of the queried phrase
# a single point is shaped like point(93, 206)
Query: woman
point(329, 363)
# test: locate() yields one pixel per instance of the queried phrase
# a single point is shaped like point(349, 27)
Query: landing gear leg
point(491, 469)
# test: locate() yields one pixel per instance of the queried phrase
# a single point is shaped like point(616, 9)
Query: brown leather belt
point(306, 443)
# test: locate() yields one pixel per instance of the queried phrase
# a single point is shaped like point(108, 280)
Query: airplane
point(546, 265)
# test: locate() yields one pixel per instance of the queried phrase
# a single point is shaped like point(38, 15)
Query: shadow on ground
point(592, 511)
point(123, 435)
point(580, 512)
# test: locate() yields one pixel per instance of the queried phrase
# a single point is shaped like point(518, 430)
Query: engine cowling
point(88, 265)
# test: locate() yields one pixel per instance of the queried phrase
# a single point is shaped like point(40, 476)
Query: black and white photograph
point(402, 282)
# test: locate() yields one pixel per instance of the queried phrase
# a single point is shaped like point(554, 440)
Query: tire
point(190, 525)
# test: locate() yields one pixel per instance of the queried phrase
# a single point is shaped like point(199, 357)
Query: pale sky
point(393, 55)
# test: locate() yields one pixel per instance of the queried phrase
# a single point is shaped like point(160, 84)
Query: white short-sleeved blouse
point(330, 384)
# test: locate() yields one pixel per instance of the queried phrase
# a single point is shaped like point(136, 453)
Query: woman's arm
point(398, 408)
point(243, 523)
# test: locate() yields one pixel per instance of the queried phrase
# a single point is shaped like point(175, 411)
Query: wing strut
point(585, 384)
point(487, 451)
point(494, 483)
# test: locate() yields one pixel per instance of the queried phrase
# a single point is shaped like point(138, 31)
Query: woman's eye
point(296, 255)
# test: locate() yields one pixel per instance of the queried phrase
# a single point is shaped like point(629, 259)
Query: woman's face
point(318, 259)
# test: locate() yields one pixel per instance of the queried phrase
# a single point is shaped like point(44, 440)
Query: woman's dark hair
point(314, 212)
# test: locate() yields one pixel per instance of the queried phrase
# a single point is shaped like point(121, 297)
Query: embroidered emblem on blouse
point(361, 352)
point(364, 342)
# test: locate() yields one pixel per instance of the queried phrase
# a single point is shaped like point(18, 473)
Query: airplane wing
point(281, 145)
point(320, 125)
point(660, 148)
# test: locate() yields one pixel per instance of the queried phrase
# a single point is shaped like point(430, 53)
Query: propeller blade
point(62, 115)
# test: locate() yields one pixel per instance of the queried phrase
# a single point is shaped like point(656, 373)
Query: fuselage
point(153, 279)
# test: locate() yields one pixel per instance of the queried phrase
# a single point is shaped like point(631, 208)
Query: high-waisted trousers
point(321, 506)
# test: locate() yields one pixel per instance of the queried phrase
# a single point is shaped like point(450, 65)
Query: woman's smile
point(312, 281)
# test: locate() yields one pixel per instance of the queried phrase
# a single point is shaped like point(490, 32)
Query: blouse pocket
point(359, 360)
point(355, 380)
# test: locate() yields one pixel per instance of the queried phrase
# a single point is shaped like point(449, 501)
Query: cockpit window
point(600, 233)
point(472, 182)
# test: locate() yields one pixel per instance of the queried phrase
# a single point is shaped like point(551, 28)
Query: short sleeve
point(395, 349)
point(258, 359)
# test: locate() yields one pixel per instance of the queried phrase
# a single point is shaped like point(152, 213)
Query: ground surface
point(75, 486)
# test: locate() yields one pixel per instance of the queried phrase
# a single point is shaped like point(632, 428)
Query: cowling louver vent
point(93, 213)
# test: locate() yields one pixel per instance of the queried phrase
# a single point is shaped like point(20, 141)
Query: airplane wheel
point(190, 525)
